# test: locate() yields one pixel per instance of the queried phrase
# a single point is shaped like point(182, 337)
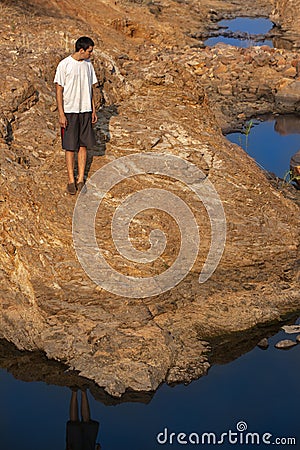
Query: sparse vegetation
point(245, 132)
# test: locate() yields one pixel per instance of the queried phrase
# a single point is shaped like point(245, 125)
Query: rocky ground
point(159, 91)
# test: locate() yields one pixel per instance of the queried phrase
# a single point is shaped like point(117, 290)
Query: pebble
point(285, 344)
point(290, 329)
point(263, 344)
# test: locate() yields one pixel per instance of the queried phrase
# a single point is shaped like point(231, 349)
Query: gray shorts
point(79, 132)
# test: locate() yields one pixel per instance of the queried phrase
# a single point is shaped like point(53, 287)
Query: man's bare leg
point(85, 408)
point(81, 164)
point(74, 407)
point(70, 165)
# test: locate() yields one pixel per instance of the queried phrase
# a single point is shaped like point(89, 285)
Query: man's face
point(86, 54)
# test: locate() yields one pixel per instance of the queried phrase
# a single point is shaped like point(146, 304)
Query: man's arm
point(94, 115)
point(60, 106)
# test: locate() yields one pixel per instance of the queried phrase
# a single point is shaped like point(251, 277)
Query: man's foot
point(80, 185)
point(71, 188)
point(74, 388)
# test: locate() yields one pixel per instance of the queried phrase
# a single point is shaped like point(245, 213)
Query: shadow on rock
point(102, 135)
point(229, 347)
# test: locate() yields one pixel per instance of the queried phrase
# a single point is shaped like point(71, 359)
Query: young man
point(74, 79)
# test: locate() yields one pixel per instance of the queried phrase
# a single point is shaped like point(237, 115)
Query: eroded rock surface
point(160, 93)
point(285, 15)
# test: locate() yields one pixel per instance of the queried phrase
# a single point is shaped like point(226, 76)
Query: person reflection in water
point(81, 434)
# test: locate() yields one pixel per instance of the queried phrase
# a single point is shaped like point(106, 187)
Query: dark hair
point(83, 42)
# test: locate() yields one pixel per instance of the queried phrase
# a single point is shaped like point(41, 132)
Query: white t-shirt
point(77, 79)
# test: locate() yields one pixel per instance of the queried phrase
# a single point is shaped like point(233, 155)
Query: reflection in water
point(287, 124)
point(237, 42)
point(258, 25)
point(81, 434)
point(242, 32)
point(261, 390)
point(272, 142)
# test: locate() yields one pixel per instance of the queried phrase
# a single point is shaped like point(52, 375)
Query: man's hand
point(60, 106)
point(94, 117)
point(63, 121)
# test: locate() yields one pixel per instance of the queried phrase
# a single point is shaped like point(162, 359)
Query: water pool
point(258, 391)
point(248, 26)
point(271, 142)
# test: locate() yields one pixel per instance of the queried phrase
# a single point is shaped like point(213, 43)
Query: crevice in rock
point(8, 138)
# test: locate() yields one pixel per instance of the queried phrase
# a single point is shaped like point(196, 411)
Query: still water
point(271, 142)
point(258, 391)
point(245, 25)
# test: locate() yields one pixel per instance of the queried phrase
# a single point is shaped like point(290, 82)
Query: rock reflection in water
point(250, 381)
point(35, 366)
point(287, 124)
point(237, 42)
